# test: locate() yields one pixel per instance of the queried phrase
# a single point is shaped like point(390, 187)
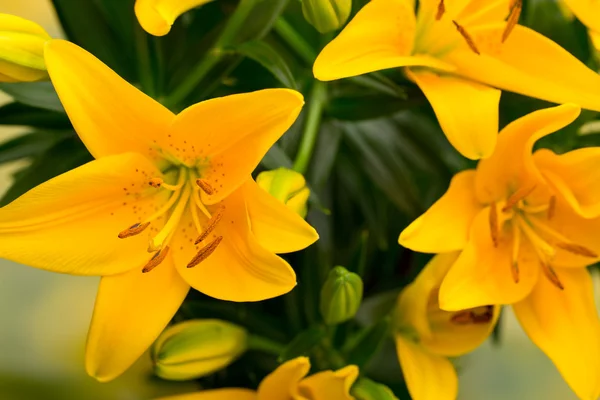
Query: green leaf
point(356, 108)
point(21, 114)
point(36, 94)
point(369, 343)
point(303, 343)
point(276, 158)
point(31, 145)
point(261, 19)
point(266, 56)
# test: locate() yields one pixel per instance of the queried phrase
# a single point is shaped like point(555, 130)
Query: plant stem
point(297, 42)
point(317, 100)
point(263, 344)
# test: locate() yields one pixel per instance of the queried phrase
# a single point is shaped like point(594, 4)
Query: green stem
point(296, 41)
point(263, 344)
point(214, 55)
point(317, 100)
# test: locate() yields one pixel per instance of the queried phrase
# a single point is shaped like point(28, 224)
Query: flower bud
point(287, 186)
point(197, 348)
point(366, 389)
point(326, 15)
point(340, 296)
point(21, 50)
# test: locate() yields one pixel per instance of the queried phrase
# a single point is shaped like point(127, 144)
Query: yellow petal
point(595, 37)
point(240, 269)
point(328, 385)
point(131, 310)
point(157, 16)
point(380, 36)
point(471, 124)
point(110, 115)
point(564, 324)
point(479, 12)
point(496, 177)
point(218, 394)
point(482, 274)
point(233, 133)
point(428, 376)
point(530, 64)
point(576, 176)
point(587, 11)
point(445, 226)
point(276, 227)
point(70, 224)
point(283, 382)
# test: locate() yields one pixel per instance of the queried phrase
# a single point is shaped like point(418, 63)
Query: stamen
point(473, 317)
point(440, 10)
point(156, 259)
point(205, 252)
point(577, 249)
point(201, 205)
point(514, 268)
point(517, 196)
point(169, 228)
point(205, 186)
point(133, 230)
point(551, 275)
point(467, 37)
point(156, 182)
point(551, 207)
point(211, 224)
point(494, 224)
point(159, 183)
point(540, 245)
point(513, 18)
point(172, 200)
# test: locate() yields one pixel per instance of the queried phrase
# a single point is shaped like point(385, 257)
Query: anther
point(440, 10)
point(517, 196)
point(577, 249)
point(514, 270)
point(473, 317)
point(551, 275)
point(205, 252)
point(494, 224)
point(205, 186)
point(513, 18)
point(156, 182)
point(467, 37)
point(156, 259)
point(211, 224)
point(133, 230)
point(551, 207)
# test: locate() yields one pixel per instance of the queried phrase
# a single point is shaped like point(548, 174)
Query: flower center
point(183, 195)
point(529, 221)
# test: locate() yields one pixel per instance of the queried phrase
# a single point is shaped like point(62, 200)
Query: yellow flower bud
point(287, 186)
point(21, 50)
point(197, 348)
point(341, 296)
point(326, 15)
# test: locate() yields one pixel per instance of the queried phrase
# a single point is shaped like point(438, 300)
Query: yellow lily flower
point(167, 204)
point(288, 381)
point(527, 225)
point(460, 53)
point(588, 12)
point(21, 50)
point(157, 16)
point(426, 336)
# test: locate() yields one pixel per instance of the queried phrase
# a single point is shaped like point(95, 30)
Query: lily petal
point(445, 226)
point(482, 274)
point(564, 325)
point(576, 176)
point(587, 11)
point(131, 311)
point(110, 115)
point(240, 269)
point(530, 64)
point(70, 224)
point(480, 12)
point(233, 134)
point(380, 36)
point(428, 376)
point(157, 16)
point(276, 227)
point(283, 382)
point(218, 394)
point(515, 143)
point(471, 124)
point(328, 385)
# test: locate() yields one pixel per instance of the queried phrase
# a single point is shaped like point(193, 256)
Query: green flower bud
point(197, 348)
point(287, 186)
point(326, 15)
point(21, 50)
point(340, 296)
point(366, 389)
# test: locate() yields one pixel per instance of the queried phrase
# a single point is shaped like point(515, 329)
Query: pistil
point(169, 228)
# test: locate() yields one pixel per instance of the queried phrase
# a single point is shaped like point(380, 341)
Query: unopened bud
point(287, 186)
point(326, 15)
point(197, 348)
point(21, 50)
point(341, 296)
point(366, 389)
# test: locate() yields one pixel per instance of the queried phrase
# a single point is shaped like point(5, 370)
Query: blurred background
point(45, 316)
